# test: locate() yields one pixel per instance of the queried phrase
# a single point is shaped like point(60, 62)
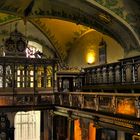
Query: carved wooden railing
point(118, 103)
point(23, 100)
point(126, 71)
point(108, 103)
point(26, 72)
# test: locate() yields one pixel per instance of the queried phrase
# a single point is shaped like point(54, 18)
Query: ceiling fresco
point(128, 10)
point(4, 18)
point(101, 15)
point(62, 37)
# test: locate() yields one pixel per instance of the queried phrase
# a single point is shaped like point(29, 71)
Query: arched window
point(32, 48)
point(27, 125)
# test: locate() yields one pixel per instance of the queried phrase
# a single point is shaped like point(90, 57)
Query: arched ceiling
point(118, 19)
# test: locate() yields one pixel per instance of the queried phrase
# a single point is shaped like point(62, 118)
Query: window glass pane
point(27, 125)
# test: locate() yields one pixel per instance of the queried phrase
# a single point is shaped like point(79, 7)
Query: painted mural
point(126, 9)
point(7, 17)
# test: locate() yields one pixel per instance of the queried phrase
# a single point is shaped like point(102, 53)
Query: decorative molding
point(120, 9)
point(6, 18)
point(115, 8)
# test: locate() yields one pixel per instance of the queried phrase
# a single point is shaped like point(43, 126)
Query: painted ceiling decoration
point(31, 34)
point(63, 43)
point(92, 13)
point(42, 26)
point(4, 18)
point(126, 9)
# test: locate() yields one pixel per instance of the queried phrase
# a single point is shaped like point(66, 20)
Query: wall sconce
point(90, 58)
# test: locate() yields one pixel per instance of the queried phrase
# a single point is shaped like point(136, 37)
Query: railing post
point(53, 77)
point(35, 83)
point(96, 100)
point(51, 115)
point(70, 126)
point(137, 104)
point(122, 73)
point(14, 84)
point(45, 76)
point(70, 100)
point(81, 99)
point(60, 98)
point(133, 72)
point(114, 103)
point(53, 98)
point(4, 75)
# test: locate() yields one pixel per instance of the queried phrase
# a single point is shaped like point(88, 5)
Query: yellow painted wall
point(90, 40)
point(62, 30)
point(132, 53)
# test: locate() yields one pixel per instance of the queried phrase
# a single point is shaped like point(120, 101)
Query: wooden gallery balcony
point(122, 76)
point(108, 94)
point(26, 82)
point(117, 110)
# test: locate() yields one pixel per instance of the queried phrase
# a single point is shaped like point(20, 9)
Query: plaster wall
point(90, 40)
point(132, 53)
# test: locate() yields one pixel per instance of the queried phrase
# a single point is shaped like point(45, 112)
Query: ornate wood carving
point(6, 132)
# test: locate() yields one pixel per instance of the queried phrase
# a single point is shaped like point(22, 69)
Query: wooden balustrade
point(103, 74)
point(123, 72)
point(12, 100)
point(118, 103)
point(26, 72)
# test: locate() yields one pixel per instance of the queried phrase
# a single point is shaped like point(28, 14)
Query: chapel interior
point(69, 70)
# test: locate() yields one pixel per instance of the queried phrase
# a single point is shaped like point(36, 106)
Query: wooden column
point(14, 82)
point(53, 81)
point(25, 76)
point(51, 117)
point(35, 84)
point(42, 125)
point(70, 129)
point(47, 127)
point(137, 106)
point(7, 125)
point(4, 75)
point(45, 76)
point(84, 124)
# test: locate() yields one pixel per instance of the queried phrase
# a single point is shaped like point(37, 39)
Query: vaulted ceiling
point(60, 20)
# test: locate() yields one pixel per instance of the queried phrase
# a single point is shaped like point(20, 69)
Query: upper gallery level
point(28, 83)
point(23, 70)
point(121, 76)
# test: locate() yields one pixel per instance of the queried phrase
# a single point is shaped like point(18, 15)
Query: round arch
point(81, 12)
point(86, 12)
